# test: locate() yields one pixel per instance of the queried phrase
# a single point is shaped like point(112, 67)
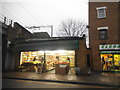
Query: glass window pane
point(31, 56)
point(59, 56)
point(101, 13)
point(103, 34)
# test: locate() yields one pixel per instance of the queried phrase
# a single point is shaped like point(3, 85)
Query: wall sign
point(109, 47)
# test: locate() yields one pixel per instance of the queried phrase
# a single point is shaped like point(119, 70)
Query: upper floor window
point(101, 12)
point(103, 33)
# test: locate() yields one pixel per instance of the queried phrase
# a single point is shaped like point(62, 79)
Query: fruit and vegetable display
point(50, 59)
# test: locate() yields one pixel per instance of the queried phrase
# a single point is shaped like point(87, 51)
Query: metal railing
point(5, 20)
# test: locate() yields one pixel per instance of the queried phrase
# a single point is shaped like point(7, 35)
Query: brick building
point(104, 31)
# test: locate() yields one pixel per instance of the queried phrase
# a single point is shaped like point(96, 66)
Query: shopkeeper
point(34, 58)
point(68, 59)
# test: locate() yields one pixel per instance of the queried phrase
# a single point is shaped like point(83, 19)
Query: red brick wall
point(81, 54)
point(111, 21)
point(119, 23)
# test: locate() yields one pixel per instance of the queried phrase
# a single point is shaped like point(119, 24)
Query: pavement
point(98, 79)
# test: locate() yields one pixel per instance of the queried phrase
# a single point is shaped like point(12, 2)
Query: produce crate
point(28, 69)
point(61, 69)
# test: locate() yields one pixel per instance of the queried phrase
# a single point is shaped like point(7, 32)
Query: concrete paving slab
point(103, 79)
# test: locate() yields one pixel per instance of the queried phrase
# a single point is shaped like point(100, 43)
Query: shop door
point(88, 60)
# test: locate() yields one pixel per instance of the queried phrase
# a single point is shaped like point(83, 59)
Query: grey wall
point(47, 45)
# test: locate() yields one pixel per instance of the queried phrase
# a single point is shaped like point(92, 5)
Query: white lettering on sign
point(109, 47)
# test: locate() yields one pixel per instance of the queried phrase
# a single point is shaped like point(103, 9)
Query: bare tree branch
point(72, 28)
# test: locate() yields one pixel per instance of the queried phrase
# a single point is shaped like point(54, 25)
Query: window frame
point(104, 11)
point(104, 34)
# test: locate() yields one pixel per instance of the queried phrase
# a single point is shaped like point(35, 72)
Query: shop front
point(110, 57)
point(57, 54)
point(49, 59)
point(60, 55)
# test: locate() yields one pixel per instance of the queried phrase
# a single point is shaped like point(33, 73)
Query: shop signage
point(109, 47)
point(109, 52)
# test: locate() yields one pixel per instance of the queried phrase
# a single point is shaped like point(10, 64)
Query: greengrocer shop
point(110, 57)
point(51, 52)
point(51, 57)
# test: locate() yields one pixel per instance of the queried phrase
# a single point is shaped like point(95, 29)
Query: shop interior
point(49, 58)
point(110, 62)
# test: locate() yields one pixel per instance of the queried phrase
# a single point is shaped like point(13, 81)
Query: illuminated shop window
point(49, 58)
point(59, 56)
point(116, 59)
point(31, 56)
point(110, 62)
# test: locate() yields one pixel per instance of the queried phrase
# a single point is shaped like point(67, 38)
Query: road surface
point(12, 83)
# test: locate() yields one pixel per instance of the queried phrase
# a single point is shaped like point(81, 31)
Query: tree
point(72, 28)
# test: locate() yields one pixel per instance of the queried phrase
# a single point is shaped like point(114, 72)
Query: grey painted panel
point(48, 45)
